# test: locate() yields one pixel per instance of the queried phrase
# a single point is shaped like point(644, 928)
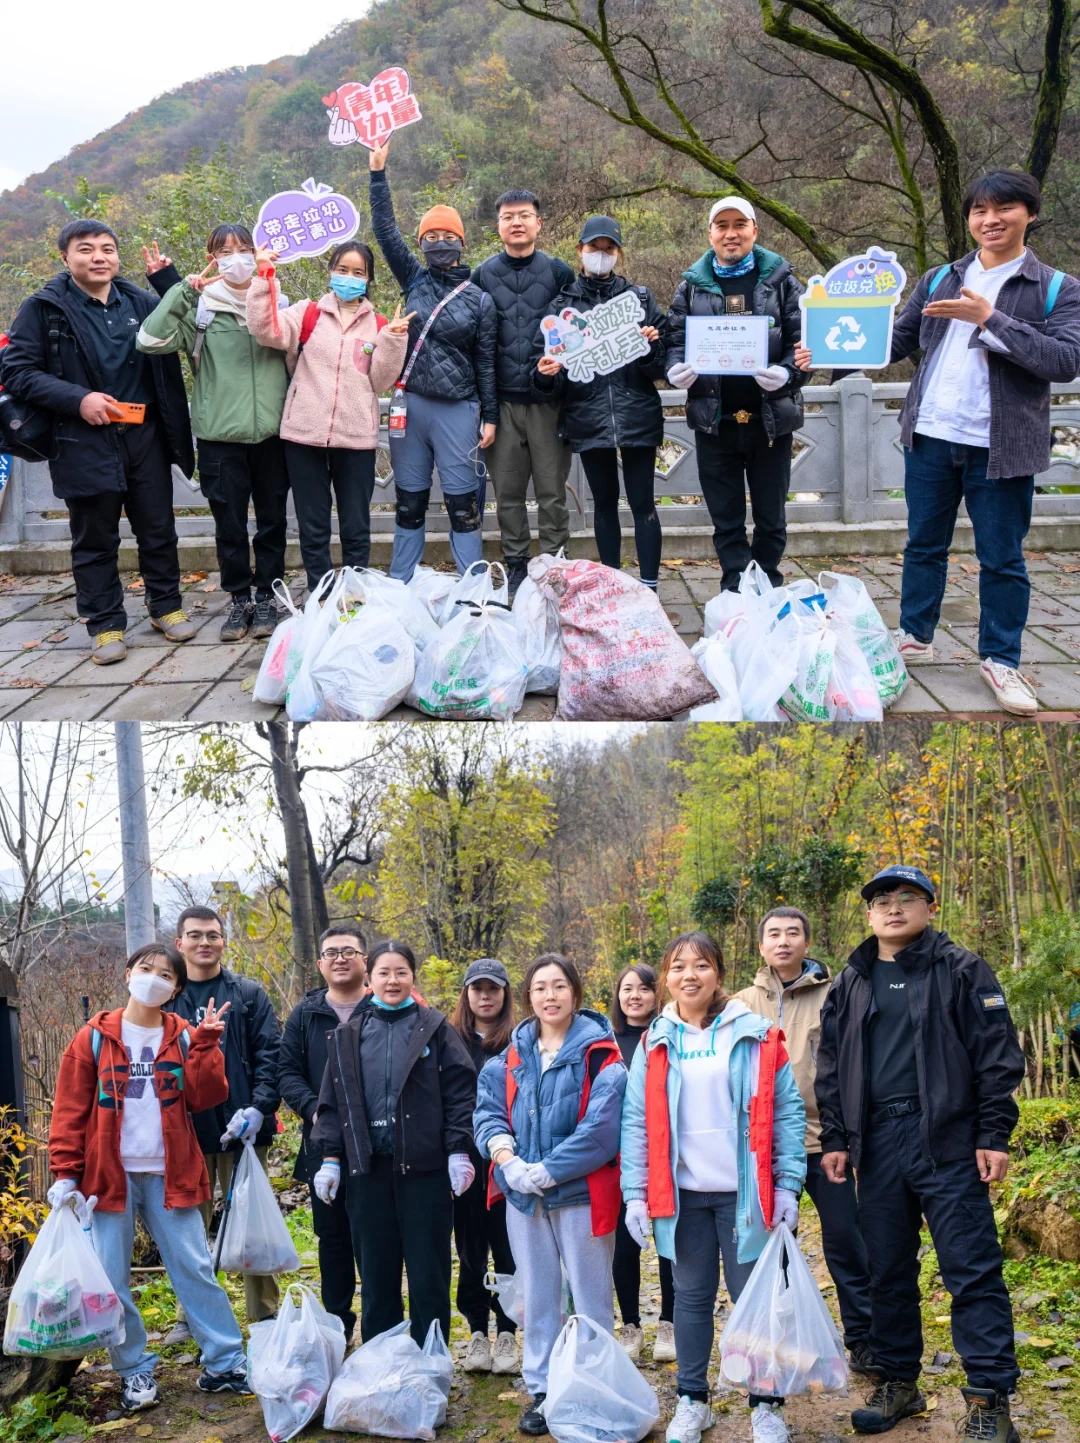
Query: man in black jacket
point(742, 424)
point(522, 281)
point(342, 962)
point(917, 1065)
point(251, 1043)
point(72, 353)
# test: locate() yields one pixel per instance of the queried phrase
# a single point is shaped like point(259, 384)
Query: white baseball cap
point(733, 202)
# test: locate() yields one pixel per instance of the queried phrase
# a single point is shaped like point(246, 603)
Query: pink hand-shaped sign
point(368, 114)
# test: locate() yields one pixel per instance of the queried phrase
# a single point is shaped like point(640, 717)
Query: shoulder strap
point(203, 317)
point(1052, 291)
point(939, 276)
point(427, 327)
point(53, 323)
point(308, 324)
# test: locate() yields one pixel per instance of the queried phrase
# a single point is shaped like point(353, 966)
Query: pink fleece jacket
point(333, 399)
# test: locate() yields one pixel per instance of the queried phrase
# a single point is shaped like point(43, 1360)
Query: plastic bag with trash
point(806, 697)
point(407, 607)
point(391, 1388)
point(431, 588)
point(256, 1238)
point(476, 669)
point(292, 1360)
point(851, 694)
point(477, 583)
point(757, 620)
point(334, 601)
point(848, 602)
point(595, 1394)
point(713, 655)
point(365, 667)
point(537, 622)
point(273, 679)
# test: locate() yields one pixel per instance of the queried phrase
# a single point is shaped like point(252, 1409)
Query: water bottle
point(395, 422)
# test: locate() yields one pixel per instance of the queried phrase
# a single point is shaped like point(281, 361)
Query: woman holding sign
point(605, 378)
point(445, 407)
point(744, 398)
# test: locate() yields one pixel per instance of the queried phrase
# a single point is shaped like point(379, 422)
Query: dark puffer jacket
point(90, 460)
point(457, 359)
point(304, 1050)
point(623, 408)
point(522, 291)
point(776, 295)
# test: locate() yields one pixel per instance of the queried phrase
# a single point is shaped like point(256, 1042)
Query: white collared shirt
point(955, 403)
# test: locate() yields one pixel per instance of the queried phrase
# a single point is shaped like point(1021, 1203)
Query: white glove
point(244, 1122)
point(327, 1180)
point(84, 1210)
point(459, 1165)
point(638, 1222)
point(785, 1208)
point(541, 1177)
point(61, 1190)
point(517, 1174)
point(682, 376)
point(773, 378)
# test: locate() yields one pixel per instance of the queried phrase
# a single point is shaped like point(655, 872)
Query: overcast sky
point(70, 73)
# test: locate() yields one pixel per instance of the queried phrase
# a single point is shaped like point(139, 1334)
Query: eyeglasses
point(203, 937)
point(347, 954)
point(884, 901)
point(512, 215)
point(557, 989)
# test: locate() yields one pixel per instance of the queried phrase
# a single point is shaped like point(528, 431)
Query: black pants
point(737, 459)
point(842, 1243)
point(898, 1187)
point(402, 1218)
point(337, 1266)
point(626, 1273)
point(638, 472)
point(479, 1230)
point(95, 534)
point(233, 477)
point(313, 471)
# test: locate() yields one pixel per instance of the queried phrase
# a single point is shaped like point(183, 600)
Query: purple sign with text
point(305, 222)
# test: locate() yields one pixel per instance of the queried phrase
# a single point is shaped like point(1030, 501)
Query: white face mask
point(599, 263)
point(150, 989)
point(237, 268)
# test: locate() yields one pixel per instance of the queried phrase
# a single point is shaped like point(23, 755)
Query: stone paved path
point(46, 673)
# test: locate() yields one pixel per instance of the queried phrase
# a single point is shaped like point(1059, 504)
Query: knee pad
point(411, 508)
point(464, 512)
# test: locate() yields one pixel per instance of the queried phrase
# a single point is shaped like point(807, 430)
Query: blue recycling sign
point(848, 313)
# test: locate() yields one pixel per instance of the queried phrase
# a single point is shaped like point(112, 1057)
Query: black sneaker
point(234, 1382)
point(238, 622)
point(532, 1421)
point(988, 1418)
point(139, 1392)
point(265, 618)
point(861, 1361)
point(517, 568)
point(886, 1405)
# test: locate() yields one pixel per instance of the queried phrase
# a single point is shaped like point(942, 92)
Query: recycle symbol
point(858, 335)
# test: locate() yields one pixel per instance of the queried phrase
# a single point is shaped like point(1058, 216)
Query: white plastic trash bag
point(780, 1339)
point(713, 655)
point(852, 695)
point(537, 622)
point(848, 602)
point(292, 1360)
point(511, 1294)
point(758, 622)
point(390, 1388)
point(62, 1304)
point(365, 667)
point(476, 584)
point(333, 599)
point(273, 679)
point(431, 588)
point(595, 1394)
point(407, 607)
point(256, 1238)
point(476, 669)
point(806, 697)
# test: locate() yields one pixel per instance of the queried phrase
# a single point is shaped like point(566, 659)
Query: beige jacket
point(797, 1011)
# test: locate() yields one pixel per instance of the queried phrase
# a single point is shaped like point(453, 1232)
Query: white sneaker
point(911, 648)
point(767, 1423)
point(504, 1359)
point(478, 1356)
point(690, 1421)
point(632, 1339)
point(137, 1392)
point(664, 1347)
point(1013, 693)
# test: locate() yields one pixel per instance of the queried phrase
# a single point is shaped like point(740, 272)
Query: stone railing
point(848, 470)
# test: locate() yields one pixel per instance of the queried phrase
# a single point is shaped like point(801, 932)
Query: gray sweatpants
point(538, 1242)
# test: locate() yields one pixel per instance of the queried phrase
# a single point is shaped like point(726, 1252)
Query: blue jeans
point(938, 475)
point(444, 436)
point(181, 1241)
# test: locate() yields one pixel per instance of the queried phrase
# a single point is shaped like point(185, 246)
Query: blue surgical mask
point(348, 288)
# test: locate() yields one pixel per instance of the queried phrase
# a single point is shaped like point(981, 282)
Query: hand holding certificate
point(736, 345)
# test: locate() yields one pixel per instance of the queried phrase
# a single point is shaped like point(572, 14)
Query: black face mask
point(442, 253)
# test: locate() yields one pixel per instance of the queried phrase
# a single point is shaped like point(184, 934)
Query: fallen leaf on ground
point(1040, 1343)
point(1043, 1433)
point(145, 1431)
point(29, 645)
point(943, 1320)
point(967, 566)
point(248, 684)
point(1070, 568)
point(193, 576)
point(22, 682)
point(137, 585)
point(57, 636)
point(110, 1427)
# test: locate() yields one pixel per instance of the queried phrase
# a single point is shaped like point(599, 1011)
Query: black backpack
point(27, 431)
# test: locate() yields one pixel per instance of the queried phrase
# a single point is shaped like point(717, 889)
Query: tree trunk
point(302, 910)
point(1010, 863)
point(1053, 87)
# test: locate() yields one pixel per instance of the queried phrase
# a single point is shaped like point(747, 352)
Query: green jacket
point(240, 386)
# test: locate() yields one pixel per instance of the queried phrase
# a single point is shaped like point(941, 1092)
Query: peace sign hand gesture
point(399, 325)
point(214, 1021)
point(202, 280)
point(155, 261)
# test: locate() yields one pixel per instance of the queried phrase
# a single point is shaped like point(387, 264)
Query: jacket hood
point(587, 1027)
point(772, 269)
point(920, 954)
point(815, 975)
point(735, 1015)
point(110, 1024)
point(316, 1000)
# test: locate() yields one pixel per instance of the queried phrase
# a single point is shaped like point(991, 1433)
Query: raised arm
point(406, 268)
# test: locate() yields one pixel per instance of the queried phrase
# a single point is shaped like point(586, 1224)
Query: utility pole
point(134, 837)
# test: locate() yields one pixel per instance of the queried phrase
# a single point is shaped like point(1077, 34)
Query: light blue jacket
point(545, 1122)
point(789, 1126)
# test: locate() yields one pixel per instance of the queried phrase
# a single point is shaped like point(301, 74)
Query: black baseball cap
point(486, 969)
point(889, 879)
point(598, 226)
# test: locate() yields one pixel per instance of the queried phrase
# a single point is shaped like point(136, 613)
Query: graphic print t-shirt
point(142, 1147)
point(893, 1074)
point(199, 994)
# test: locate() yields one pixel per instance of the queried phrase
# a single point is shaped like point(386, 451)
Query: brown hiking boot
point(988, 1418)
point(886, 1405)
point(107, 647)
point(175, 626)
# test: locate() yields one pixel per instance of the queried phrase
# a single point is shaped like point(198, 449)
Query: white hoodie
point(708, 1157)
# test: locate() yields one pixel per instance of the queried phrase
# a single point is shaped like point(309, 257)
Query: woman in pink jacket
point(341, 355)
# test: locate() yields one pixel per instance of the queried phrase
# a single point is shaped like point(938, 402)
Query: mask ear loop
point(478, 462)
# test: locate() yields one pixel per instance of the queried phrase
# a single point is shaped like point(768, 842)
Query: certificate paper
point(727, 345)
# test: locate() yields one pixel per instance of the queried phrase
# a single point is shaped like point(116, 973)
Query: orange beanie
point(441, 217)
